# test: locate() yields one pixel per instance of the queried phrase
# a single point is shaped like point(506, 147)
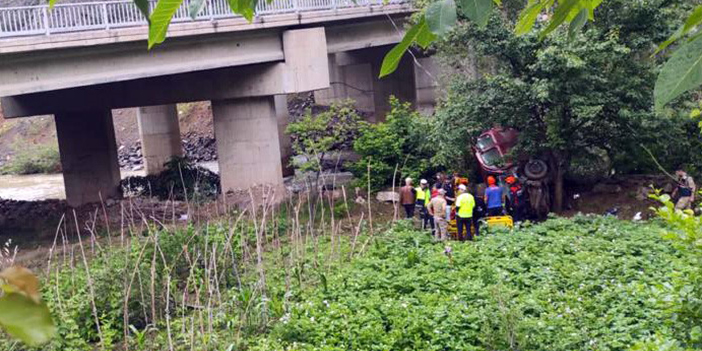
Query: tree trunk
point(558, 191)
point(557, 165)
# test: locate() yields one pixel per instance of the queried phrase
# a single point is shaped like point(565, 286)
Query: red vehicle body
point(492, 148)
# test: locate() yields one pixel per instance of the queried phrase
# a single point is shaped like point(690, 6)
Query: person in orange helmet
point(493, 198)
point(516, 199)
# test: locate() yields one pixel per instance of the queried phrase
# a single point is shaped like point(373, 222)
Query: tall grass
point(210, 283)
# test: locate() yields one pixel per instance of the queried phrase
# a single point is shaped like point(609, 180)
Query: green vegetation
point(580, 284)
point(396, 148)
point(566, 284)
point(181, 180)
point(319, 137)
point(34, 159)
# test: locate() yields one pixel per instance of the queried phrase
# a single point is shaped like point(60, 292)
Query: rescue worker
point(686, 190)
point(465, 203)
point(516, 199)
point(423, 196)
point(450, 195)
point(480, 209)
point(493, 198)
point(437, 209)
point(407, 198)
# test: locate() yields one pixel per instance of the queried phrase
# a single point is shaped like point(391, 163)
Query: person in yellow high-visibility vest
point(465, 203)
point(423, 197)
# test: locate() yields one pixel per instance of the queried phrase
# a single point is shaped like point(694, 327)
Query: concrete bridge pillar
point(400, 83)
point(248, 143)
point(160, 136)
point(88, 156)
point(354, 75)
point(426, 76)
point(286, 151)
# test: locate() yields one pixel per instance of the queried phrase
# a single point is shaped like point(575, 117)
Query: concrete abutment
point(88, 156)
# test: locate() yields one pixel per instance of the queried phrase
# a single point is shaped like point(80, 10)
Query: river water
point(37, 187)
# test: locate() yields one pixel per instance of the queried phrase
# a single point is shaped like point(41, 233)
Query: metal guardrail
point(63, 18)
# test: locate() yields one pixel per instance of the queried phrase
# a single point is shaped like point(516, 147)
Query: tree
point(568, 96)
point(400, 142)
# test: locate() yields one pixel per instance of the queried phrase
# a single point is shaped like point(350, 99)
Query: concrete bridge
point(80, 61)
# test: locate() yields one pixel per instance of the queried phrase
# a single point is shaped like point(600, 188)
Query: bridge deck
point(86, 24)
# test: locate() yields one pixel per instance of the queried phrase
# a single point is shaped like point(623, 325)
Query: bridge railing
point(40, 20)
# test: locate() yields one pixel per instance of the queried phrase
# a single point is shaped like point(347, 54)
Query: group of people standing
point(437, 203)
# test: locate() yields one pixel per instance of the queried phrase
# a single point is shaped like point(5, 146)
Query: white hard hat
point(408, 179)
point(462, 187)
point(423, 181)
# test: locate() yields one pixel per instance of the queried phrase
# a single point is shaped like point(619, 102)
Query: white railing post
point(105, 18)
point(45, 17)
point(29, 20)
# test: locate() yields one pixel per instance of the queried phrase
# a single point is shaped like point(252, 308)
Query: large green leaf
point(195, 7)
point(561, 14)
point(528, 16)
point(246, 8)
point(419, 33)
point(26, 320)
point(477, 11)
point(441, 16)
point(681, 73)
point(143, 6)
point(691, 23)
point(161, 19)
point(578, 23)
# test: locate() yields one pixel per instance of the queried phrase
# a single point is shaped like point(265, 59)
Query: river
point(37, 187)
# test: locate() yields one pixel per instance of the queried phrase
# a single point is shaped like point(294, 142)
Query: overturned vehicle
point(493, 152)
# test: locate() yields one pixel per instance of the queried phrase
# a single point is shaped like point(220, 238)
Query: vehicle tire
point(536, 169)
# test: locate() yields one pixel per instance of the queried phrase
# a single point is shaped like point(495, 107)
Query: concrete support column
point(400, 83)
point(348, 79)
point(286, 151)
point(426, 80)
point(248, 144)
point(88, 156)
point(160, 136)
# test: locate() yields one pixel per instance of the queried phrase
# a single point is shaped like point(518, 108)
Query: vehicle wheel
point(536, 169)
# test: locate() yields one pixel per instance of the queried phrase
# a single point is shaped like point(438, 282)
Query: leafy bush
point(401, 141)
point(315, 136)
point(34, 160)
point(180, 180)
point(577, 284)
point(682, 298)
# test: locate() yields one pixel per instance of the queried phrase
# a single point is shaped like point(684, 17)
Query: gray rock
point(642, 193)
point(387, 196)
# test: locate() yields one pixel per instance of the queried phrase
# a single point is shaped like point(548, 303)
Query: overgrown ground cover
point(587, 283)
point(580, 284)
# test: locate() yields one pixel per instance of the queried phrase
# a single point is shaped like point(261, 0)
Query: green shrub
point(34, 160)
point(569, 284)
point(181, 180)
point(401, 141)
point(316, 136)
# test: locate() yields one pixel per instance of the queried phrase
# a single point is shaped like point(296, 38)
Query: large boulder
point(387, 196)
